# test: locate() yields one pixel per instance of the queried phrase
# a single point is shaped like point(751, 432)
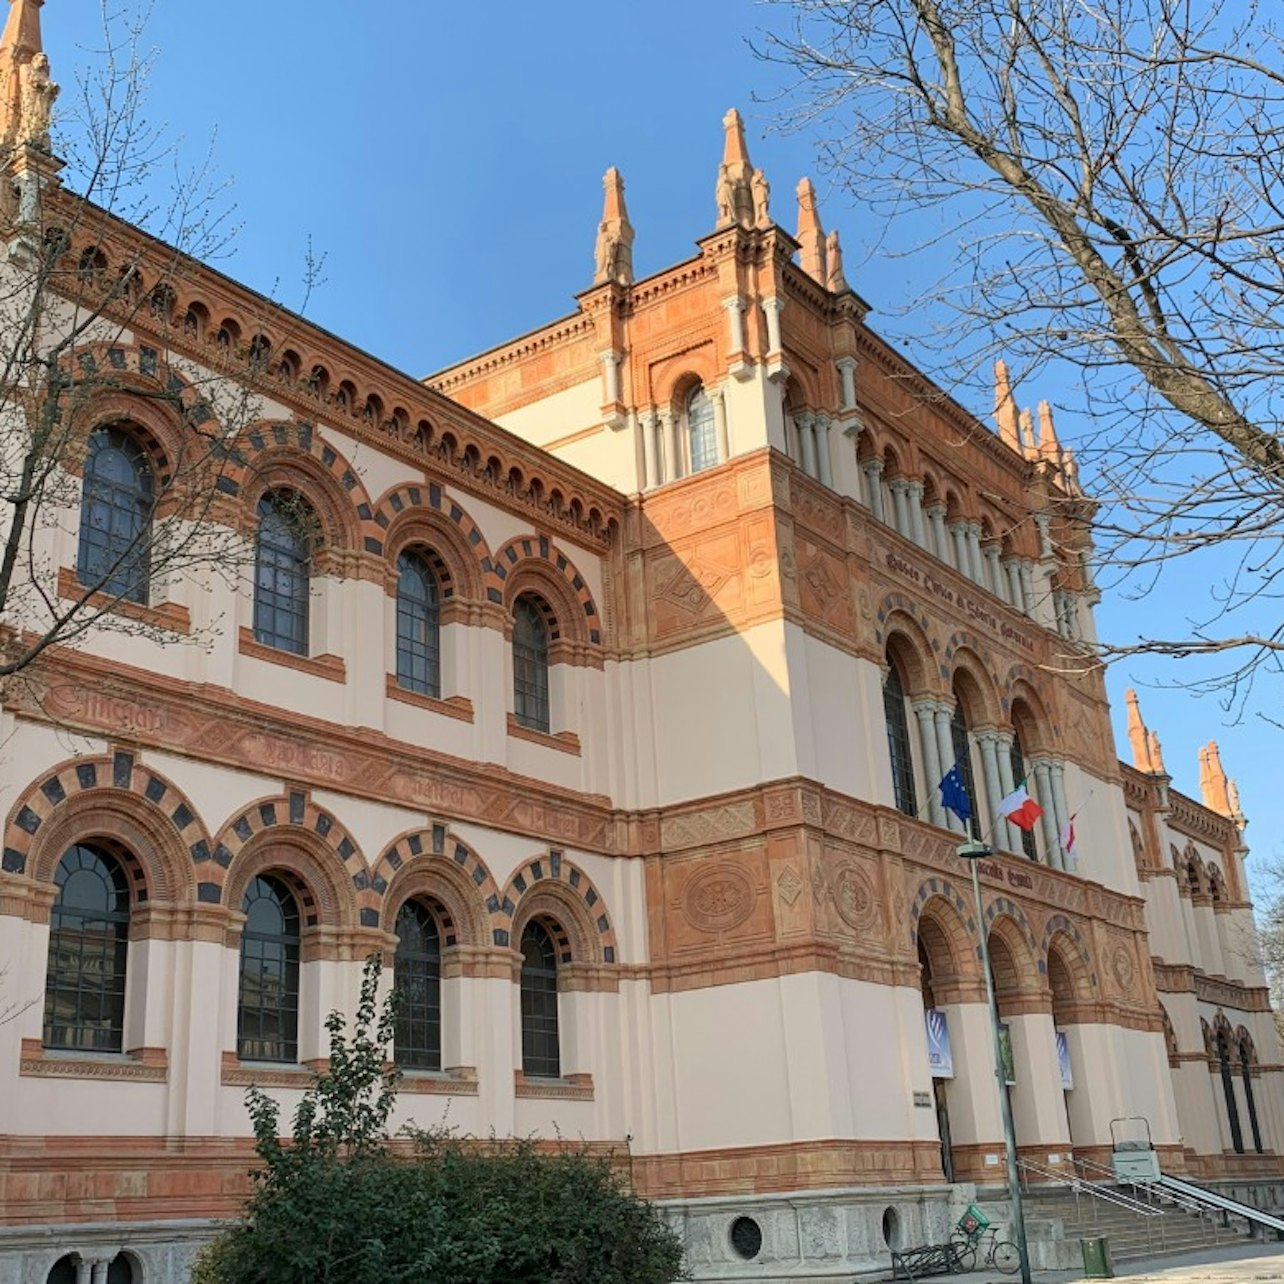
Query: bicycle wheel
point(964, 1255)
point(1006, 1256)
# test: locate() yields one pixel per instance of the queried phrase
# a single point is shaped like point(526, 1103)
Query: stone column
point(977, 567)
point(824, 462)
point(995, 579)
point(671, 425)
point(1043, 523)
point(1012, 569)
point(958, 536)
point(847, 376)
point(990, 772)
point(944, 715)
point(873, 469)
point(1027, 586)
point(720, 424)
point(735, 322)
point(938, 543)
point(917, 532)
point(99, 1273)
point(806, 441)
point(649, 426)
point(610, 377)
point(925, 712)
point(900, 508)
point(84, 1271)
point(772, 307)
point(1040, 769)
point(1003, 751)
point(1057, 770)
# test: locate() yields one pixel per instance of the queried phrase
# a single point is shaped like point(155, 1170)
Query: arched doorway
point(1061, 981)
point(940, 1053)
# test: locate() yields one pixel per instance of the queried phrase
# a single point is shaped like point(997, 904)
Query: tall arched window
point(963, 756)
point(267, 1013)
point(700, 430)
point(1246, 1071)
point(115, 516)
point(282, 572)
point(417, 972)
point(88, 949)
point(898, 740)
point(418, 626)
point(541, 1054)
point(1017, 759)
point(530, 664)
point(1228, 1091)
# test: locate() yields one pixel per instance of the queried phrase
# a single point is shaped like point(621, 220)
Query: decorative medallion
point(854, 898)
point(1121, 967)
point(718, 899)
point(789, 885)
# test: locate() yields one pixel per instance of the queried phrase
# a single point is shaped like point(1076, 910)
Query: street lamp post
point(972, 851)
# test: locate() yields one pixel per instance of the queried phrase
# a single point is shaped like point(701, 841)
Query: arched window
point(115, 516)
point(120, 1270)
point(541, 1056)
point(1246, 1071)
point(1228, 1091)
point(64, 1270)
point(88, 949)
point(267, 1012)
point(1017, 759)
point(418, 626)
point(417, 972)
point(282, 572)
point(700, 430)
point(962, 745)
point(530, 664)
point(898, 740)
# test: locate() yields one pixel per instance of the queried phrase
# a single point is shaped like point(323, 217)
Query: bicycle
point(1002, 1254)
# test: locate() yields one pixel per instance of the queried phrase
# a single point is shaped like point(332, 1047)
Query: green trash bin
point(1096, 1258)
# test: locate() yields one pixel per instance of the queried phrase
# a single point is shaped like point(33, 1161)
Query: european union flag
point(954, 794)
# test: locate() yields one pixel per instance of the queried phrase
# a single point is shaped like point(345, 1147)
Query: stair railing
point(1099, 1194)
point(1156, 1195)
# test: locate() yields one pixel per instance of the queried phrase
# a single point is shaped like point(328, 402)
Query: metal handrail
point(1093, 1188)
point(1154, 1192)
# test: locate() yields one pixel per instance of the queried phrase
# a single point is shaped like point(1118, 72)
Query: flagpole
point(972, 851)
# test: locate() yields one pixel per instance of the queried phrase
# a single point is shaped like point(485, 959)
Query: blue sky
point(447, 160)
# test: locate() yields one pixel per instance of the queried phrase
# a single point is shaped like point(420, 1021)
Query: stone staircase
point(1131, 1234)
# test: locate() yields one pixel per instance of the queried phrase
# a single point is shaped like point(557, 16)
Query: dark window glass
point(88, 948)
point(63, 1271)
point(541, 1057)
point(120, 1270)
point(530, 665)
point(898, 740)
point(267, 1013)
point(418, 627)
point(1228, 1090)
point(1017, 759)
point(417, 975)
point(115, 516)
point(1245, 1067)
point(700, 429)
point(282, 573)
point(963, 756)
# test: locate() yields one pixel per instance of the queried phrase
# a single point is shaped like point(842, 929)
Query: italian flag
point(1020, 808)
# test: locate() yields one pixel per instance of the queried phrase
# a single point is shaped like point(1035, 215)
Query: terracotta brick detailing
point(535, 563)
point(563, 741)
point(457, 1081)
point(562, 895)
point(139, 1065)
point(169, 616)
point(330, 667)
point(808, 1165)
point(450, 707)
point(571, 1087)
point(236, 1073)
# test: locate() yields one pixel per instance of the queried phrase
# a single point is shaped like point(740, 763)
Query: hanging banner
point(1063, 1060)
point(939, 1056)
point(1005, 1052)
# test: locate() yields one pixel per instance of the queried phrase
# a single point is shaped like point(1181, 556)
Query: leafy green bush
point(338, 1204)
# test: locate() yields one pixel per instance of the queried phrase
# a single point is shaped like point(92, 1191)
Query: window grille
point(418, 627)
point(282, 573)
point(898, 741)
point(701, 431)
point(267, 1018)
point(115, 516)
point(88, 950)
point(530, 665)
point(541, 1056)
point(417, 978)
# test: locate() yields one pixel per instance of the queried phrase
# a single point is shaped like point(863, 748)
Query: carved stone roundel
point(718, 899)
point(1122, 966)
point(854, 898)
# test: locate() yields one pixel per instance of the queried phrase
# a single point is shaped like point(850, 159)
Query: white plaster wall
point(557, 415)
point(1101, 829)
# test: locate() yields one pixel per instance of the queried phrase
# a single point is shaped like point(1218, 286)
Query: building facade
point(601, 683)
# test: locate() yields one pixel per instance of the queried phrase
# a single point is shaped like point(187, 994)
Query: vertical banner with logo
point(939, 1055)
point(1063, 1060)
point(1005, 1051)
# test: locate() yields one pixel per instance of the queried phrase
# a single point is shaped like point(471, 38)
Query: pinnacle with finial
point(1005, 411)
point(1138, 736)
point(26, 91)
point(613, 252)
point(810, 235)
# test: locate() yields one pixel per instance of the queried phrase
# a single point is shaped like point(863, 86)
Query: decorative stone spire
point(1213, 783)
point(26, 92)
point(810, 235)
point(835, 281)
point(1005, 411)
point(1146, 753)
point(1029, 446)
point(734, 192)
point(613, 255)
point(1049, 446)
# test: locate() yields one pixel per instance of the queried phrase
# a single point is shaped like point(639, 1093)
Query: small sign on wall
point(923, 1099)
point(991, 1161)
